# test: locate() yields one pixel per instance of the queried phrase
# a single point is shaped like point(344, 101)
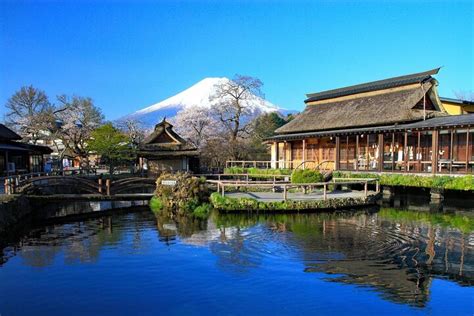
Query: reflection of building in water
point(397, 259)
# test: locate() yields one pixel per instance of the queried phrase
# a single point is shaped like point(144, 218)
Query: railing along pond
point(286, 185)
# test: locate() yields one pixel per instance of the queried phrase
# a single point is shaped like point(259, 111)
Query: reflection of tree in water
point(394, 257)
point(79, 241)
point(227, 243)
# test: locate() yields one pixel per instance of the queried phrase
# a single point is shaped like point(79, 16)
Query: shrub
point(464, 183)
point(156, 205)
point(306, 176)
point(257, 171)
point(202, 211)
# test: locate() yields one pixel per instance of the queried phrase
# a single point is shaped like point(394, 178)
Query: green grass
point(257, 171)
point(461, 183)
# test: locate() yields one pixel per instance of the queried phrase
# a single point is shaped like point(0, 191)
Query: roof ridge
point(373, 85)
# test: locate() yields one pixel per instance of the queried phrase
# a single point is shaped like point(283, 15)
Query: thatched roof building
point(396, 124)
point(164, 150)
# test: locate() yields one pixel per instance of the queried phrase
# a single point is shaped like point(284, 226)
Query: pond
point(373, 261)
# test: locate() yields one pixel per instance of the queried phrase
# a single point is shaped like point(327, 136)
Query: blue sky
point(128, 55)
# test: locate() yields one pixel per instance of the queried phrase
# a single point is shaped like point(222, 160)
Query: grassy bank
point(461, 183)
point(228, 204)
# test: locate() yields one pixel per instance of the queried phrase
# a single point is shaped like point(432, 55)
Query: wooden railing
point(281, 164)
point(221, 185)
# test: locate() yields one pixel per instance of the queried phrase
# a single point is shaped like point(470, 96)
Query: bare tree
point(29, 112)
point(77, 122)
point(233, 106)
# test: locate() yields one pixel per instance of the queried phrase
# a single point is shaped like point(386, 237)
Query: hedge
point(224, 203)
point(306, 176)
point(460, 183)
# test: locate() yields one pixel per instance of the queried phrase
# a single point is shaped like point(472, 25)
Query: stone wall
point(13, 209)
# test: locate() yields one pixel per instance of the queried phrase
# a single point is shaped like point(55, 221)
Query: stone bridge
point(45, 185)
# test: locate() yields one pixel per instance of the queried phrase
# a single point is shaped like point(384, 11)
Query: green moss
point(461, 183)
point(225, 203)
point(306, 176)
point(156, 205)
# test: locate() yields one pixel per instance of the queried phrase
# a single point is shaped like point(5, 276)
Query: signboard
point(168, 182)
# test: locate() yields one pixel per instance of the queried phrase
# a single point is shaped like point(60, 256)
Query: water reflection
point(395, 253)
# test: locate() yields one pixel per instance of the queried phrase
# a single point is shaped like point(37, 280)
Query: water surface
point(347, 263)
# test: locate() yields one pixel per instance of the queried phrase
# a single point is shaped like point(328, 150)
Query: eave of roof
point(371, 86)
point(457, 101)
point(443, 122)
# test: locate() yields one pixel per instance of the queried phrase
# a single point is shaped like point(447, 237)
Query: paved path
point(299, 196)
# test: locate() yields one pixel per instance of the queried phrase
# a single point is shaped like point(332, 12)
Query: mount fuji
point(195, 96)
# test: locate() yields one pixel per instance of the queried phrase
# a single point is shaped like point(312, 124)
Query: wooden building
point(392, 125)
point(17, 157)
point(164, 150)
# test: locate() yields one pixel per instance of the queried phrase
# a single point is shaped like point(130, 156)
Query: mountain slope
point(195, 96)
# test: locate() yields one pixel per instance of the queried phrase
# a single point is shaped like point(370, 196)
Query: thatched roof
point(8, 134)
point(166, 142)
point(381, 107)
point(374, 85)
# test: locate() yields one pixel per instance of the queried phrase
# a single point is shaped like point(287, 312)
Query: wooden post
point(337, 162)
point(247, 178)
point(467, 150)
point(325, 192)
point(381, 150)
point(405, 151)
point(419, 154)
point(6, 186)
point(100, 185)
point(451, 151)
point(284, 192)
point(223, 190)
point(393, 152)
point(107, 184)
point(377, 186)
point(365, 188)
point(304, 153)
point(434, 152)
point(357, 154)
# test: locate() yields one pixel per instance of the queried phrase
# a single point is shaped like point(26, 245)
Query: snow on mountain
point(195, 96)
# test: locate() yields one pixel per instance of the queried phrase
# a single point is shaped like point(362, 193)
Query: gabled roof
point(385, 107)
point(164, 140)
point(8, 134)
point(372, 86)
